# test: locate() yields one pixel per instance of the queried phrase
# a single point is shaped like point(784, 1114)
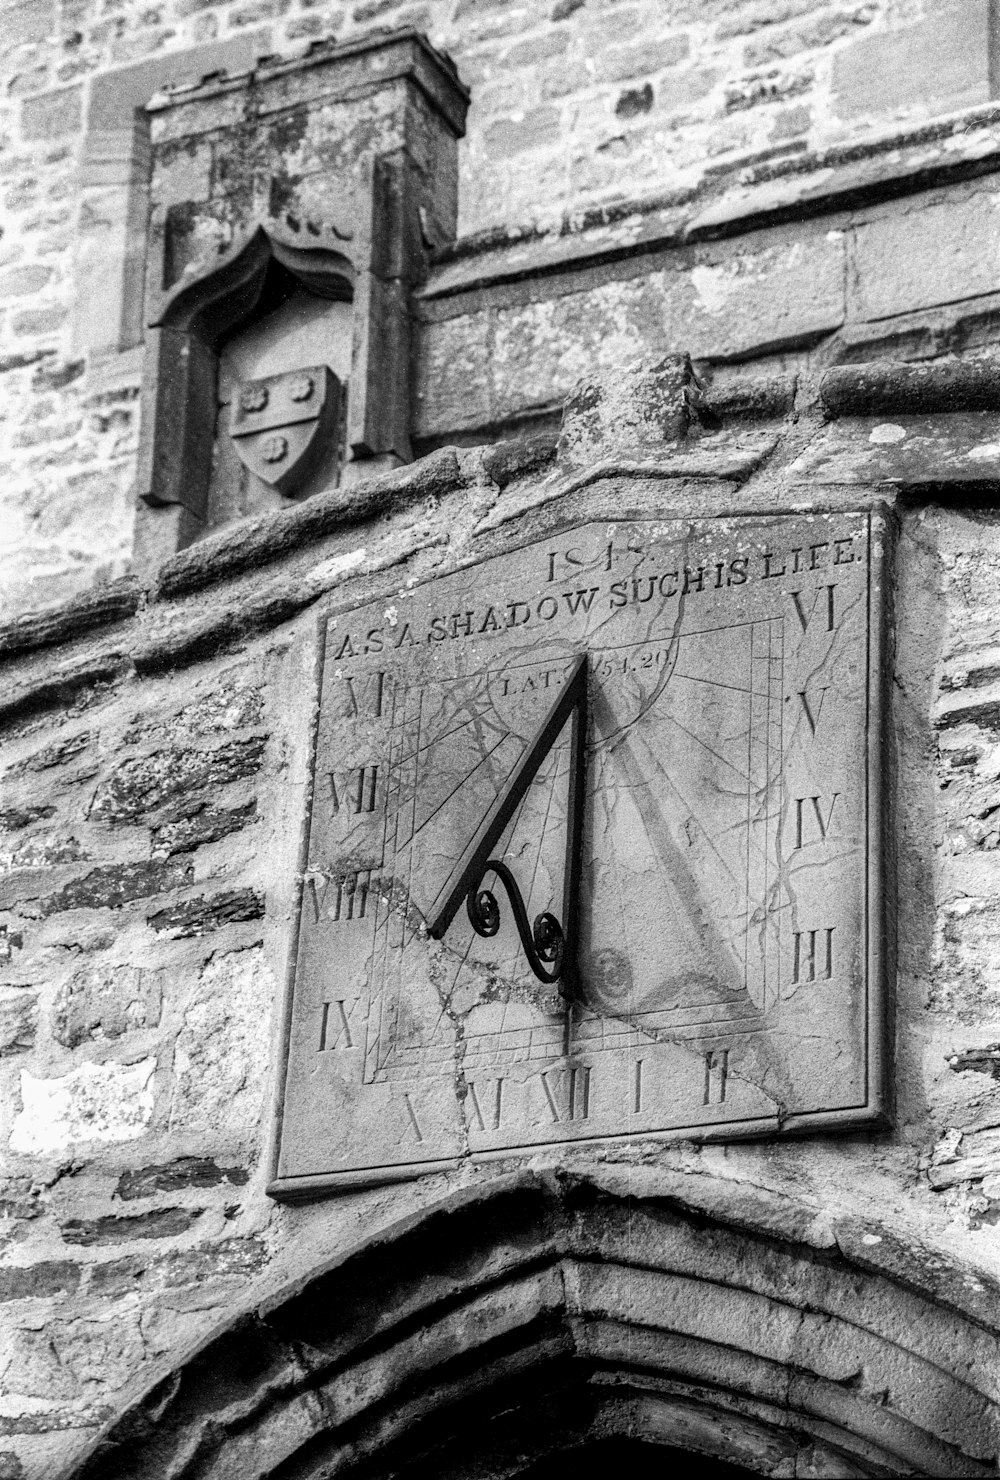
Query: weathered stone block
point(630, 410)
point(42, 851)
point(642, 58)
point(143, 783)
point(195, 916)
point(38, 1281)
point(515, 135)
point(221, 1053)
point(121, 1229)
point(772, 85)
point(13, 818)
point(745, 19)
point(52, 115)
point(117, 884)
point(207, 825)
point(233, 703)
point(454, 383)
point(176, 1176)
point(55, 754)
point(26, 21)
point(939, 64)
point(943, 240)
point(808, 35)
point(96, 1102)
point(18, 1020)
point(18, 282)
point(727, 303)
point(105, 1002)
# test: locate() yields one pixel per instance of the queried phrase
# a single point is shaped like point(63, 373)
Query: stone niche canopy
point(293, 211)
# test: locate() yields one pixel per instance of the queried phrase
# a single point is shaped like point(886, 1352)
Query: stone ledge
point(885, 387)
point(81, 613)
point(256, 542)
point(727, 202)
point(429, 69)
point(744, 426)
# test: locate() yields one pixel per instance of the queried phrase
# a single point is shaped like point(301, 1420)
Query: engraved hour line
point(483, 717)
point(806, 617)
point(805, 957)
point(716, 1076)
point(335, 1026)
point(813, 719)
point(815, 811)
point(354, 791)
point(468, 775)
point(637, 1086)
point(578, 1101)
point(493, 1103)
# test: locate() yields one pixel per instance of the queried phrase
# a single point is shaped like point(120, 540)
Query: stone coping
point(820, 442)
point(731, 199)
point(448, 92)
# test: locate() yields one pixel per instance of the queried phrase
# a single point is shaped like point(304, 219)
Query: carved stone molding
point(539, 1312)
point(334, 173)
point(182, 354)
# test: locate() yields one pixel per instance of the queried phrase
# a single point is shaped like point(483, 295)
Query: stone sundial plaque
point(593, 851)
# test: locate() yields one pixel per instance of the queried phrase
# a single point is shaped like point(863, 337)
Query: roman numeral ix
point(335, 1025)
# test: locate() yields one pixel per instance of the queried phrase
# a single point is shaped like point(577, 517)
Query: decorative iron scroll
point(548, 944)
point(541, 943)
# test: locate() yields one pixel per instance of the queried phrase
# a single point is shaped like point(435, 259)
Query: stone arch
point(541, 1313)
point(194, 319)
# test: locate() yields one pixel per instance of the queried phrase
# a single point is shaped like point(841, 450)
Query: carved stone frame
point(182, 348)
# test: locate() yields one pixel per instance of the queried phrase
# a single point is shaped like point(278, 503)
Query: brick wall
point(574, 102)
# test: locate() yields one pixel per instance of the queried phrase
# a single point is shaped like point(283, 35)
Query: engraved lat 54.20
point(593, 851)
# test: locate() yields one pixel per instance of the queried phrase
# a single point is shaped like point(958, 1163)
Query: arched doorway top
point(541, 1312)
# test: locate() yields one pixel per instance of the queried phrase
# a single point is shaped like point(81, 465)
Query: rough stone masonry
point(600, 141)
point(800, 197)
point(157, 759)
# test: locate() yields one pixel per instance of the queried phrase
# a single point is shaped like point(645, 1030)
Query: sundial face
point(701, 818)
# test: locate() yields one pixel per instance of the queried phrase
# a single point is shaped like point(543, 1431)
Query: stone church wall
point(156, 761)
point(817, 193)
point(575, 106)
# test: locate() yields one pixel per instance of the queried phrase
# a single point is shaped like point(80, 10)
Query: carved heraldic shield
point(281, 425)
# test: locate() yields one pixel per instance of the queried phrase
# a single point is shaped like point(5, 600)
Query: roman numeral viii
point(341, 899)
